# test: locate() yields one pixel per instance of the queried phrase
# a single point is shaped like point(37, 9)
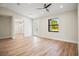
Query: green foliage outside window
point(54, 26)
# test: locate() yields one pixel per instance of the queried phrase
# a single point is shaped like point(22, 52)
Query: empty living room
point(39, 29)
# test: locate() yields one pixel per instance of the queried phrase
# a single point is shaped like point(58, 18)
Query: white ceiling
point(30, 9)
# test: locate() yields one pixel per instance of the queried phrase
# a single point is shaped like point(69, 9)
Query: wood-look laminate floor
point(35, 46)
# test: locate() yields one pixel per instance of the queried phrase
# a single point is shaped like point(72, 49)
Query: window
point(53, 25)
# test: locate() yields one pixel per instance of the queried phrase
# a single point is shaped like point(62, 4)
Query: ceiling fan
point(46, 7)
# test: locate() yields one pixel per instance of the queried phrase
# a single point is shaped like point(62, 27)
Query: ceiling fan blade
point(44, 5)
point(48, 5)
point(47, 10)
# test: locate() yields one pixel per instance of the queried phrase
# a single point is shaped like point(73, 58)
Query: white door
point(19, 26)
point(27, 27)
point(35, 27)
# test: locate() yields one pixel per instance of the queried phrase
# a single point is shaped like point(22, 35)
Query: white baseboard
point(5, 37)
point(70, 41)
point(58, 39)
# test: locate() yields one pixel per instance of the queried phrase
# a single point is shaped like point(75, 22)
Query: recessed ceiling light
point(61, 6)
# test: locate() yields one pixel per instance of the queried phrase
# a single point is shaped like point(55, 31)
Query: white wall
point(6, 11)
point(17, 17)
point(5, 27)
point(78, 29)
point(68, 27)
